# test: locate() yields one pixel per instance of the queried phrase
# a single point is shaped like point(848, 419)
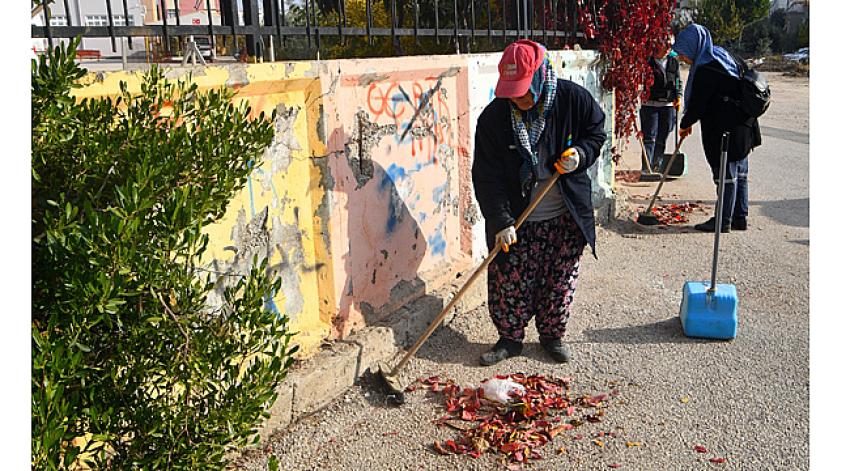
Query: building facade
point(95, 13)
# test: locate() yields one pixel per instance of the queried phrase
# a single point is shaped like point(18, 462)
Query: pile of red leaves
point(676, 213)
point(517, 430)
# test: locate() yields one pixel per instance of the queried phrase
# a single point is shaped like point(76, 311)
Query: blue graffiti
point(437, 194)
point(437, 243)
point(393, 174)
point(392, 219)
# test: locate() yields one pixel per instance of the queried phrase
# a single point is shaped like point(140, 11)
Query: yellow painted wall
point(290, 187)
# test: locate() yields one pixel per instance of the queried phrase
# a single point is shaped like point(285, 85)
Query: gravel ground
point(746, 400)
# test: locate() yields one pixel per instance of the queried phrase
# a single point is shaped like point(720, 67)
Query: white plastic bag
point(499, 390)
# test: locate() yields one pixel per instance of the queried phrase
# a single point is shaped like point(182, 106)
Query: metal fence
point(255, 27)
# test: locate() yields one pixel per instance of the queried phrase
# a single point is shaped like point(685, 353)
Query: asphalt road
point(745, 400)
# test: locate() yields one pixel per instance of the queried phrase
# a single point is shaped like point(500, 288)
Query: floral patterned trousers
point(536, 278)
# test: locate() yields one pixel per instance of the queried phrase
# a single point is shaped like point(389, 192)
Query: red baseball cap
point(516, 69)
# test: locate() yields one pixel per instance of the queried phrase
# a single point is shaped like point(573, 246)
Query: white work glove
point(568, 162)
point(506, 237)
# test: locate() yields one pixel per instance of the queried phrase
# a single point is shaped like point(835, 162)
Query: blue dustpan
point(709, 310)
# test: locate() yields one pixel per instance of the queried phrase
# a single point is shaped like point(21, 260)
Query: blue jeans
point(656, 122)
point(736, 195)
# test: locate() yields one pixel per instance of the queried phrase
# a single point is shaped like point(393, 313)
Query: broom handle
point(664, 177)
point(643, 152)
point(436, 322)
point(718, 210)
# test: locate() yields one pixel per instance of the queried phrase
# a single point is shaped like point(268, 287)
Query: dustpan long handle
point(676, 127)
point(718, 210)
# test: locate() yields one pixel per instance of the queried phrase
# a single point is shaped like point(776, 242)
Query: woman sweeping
point(711, 97)
point(536, 125)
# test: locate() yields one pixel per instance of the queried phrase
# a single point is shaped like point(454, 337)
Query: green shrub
point(131, 367)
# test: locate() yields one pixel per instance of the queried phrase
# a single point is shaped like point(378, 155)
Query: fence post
point(253, 41)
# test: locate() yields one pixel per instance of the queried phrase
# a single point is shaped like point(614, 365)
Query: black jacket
point(496, 164)
point(716, 114)
point(666, 83)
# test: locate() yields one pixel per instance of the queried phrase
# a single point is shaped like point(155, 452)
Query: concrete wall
point(364, 200)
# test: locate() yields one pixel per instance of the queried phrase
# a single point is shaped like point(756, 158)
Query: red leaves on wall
point(627, 33)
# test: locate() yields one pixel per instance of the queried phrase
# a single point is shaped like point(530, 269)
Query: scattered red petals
point(700, 449)
point(614, 465)
point(628, 176)
point(676, 213)
point(717, 460)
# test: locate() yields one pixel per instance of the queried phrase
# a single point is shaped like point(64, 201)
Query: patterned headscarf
point(694, 42)
point(543, 88)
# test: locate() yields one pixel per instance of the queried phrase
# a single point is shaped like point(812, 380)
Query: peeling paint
point(370, 78)
point(359, 149)
point(451, 72)
point(237, 76)
point(320, 124)
point(325, 183)
point(285, 142)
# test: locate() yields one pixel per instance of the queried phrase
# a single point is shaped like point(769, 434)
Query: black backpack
point(755, 92)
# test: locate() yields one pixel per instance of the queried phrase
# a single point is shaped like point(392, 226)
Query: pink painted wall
point(398, 142)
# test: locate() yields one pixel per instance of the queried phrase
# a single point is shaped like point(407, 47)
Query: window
point(103, 20)
point(119, 20)
point(59, 20)
point(97, 20)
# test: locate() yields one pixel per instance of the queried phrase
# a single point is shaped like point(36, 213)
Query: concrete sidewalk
point(745, 400)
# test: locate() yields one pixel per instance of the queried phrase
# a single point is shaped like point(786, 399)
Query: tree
point(757, 38)
point(803, 34)
point(752, 10)
point(131, 367)
point(722, 18)
point(728, 19)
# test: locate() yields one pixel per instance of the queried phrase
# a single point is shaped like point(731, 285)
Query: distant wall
point(364, 200)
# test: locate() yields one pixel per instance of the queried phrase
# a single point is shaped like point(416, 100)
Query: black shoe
point(739, 224)
point(504, 349)
point(708, 226)
point(556, 349)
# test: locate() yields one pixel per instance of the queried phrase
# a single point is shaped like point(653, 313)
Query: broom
point(647, 218)
point(392, 385)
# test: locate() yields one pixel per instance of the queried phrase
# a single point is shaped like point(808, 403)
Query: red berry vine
point(626, 33)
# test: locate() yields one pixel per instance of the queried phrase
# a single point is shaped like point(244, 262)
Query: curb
point(315, 383)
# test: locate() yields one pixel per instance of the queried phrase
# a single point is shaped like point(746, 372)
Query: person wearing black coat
point(710, 98)
point(657, 114)
point(536, 125)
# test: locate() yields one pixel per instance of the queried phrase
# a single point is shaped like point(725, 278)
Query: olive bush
point(131, 366)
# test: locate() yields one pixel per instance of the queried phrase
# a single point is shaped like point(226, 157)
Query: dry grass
point(788, 68)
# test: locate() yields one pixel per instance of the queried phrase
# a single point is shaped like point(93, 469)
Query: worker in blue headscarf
point(712, 94)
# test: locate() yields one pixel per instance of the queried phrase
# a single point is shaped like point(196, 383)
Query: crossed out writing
point(419, 111)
